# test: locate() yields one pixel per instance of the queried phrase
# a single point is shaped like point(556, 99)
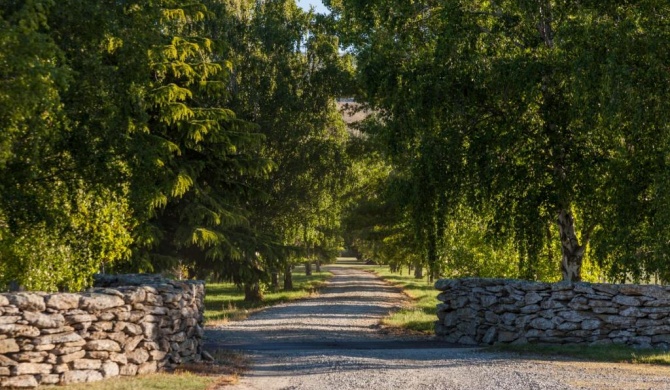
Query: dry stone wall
point(489, 311)
point(126, 325)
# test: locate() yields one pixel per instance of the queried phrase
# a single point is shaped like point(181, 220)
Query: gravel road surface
point(333, 341)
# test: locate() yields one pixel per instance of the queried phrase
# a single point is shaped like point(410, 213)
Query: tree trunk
point(418, 271)
point(288, 278)
point(317, 265)
point(308, 269)
point(252, 292)
point(572, 253)
point(275, 279)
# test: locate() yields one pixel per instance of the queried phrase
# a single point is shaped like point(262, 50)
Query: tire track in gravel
point(333, 341)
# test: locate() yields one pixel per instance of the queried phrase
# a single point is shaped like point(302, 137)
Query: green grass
point(225, 370)
point(606, 353)
point(225, 301)
point(422, 314)
point(182, 381)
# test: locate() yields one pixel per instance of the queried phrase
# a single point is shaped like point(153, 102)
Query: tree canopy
point(503, 138)
point(147, 135)
point(545, 120)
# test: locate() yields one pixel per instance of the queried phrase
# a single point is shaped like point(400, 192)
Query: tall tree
point(531, 109)
point(287, 72)
point(120, 141)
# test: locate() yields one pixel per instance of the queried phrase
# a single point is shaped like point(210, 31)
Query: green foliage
point(121, 149)
point(286, 72)
point(117, 140)
point(521, 111)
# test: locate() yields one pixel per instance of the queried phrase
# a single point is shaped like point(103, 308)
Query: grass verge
point(422, 314)
point(225, 370)
point(604, 353)
point(225, 301)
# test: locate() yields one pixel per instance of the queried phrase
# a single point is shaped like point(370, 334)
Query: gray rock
point(98, 302)
point(490, 336)
point(57, 338)
point(16, 330)
point(632, 312)
point(6, 361)
point(590, 324)
point(41, 320)
point(566, 326)
point(605, 289)
point(446, 284)
point(118, 358)
point(542, 324)
point(530, 309)
point(660, 338)
point(138, 356)
point(86, 364)
point(7, 319)
point(110, 369)
point(8, 346)
point(488, 300)
point(654, 330)
point(27, 301)
point(532, 297)
point(98, 355)
point(583, 288)
point(132, 343)
point(102, 326)
point(80, 318)
point(605, 310)
point(626, 300)
point(31, 368)
point(62, 301)
point(619, 321)
point(30, 357)
point(50, 379)
point(71, 357)
point(147, 368)
point(81, 376)
point(562, 295)
point(103, 345)
point(507, 337)
point(22, 381)
point(572, 316)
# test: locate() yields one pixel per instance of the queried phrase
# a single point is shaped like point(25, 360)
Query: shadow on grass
point(596, 353)
point(225, 301)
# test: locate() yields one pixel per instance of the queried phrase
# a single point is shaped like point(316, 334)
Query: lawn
point(182, 381)
point(422, 314)
point(596, 353)
point(225, 370)
point(225, 301)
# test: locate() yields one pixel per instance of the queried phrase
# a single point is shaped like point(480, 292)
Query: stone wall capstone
point(489, 311)
point(125, 325)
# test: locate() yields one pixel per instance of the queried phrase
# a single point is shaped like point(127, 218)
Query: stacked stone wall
point(489, 311)
point(126, 325)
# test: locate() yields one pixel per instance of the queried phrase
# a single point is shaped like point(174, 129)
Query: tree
point(286, 73)
point(120, 141)
point(531, 110)
point(56, 226)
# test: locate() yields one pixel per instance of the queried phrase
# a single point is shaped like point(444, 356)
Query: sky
point(318, 6)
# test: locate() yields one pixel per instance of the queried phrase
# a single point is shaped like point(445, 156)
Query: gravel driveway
point(333, 341)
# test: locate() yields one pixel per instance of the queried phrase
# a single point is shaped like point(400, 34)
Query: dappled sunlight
point(350, 306)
